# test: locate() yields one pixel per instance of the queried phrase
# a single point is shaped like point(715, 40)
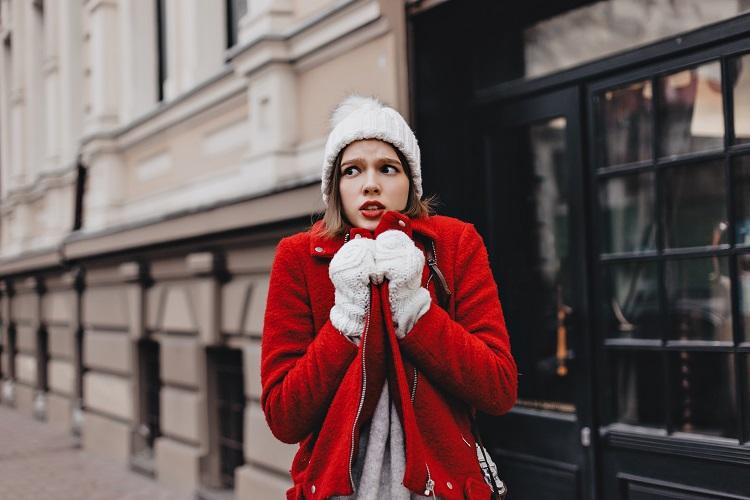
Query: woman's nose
point(371, 185)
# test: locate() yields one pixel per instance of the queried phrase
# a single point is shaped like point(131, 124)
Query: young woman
point(372, 360)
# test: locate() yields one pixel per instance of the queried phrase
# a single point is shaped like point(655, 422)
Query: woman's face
point(373, 181)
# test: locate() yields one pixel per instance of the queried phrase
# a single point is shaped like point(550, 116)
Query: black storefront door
point(531, 153)
point(614, 199)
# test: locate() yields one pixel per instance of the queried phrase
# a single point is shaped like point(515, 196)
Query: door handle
point(586, 437)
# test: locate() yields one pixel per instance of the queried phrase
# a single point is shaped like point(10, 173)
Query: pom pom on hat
point(351, 104)
point(357, 118)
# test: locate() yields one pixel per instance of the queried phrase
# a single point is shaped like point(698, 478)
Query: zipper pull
point(429, 488)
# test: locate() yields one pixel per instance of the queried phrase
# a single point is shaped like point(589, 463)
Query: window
point(150, 387)
point(607, 27)
point(161, 42)
point(230, 407)
point(235, 10)
point(672, 176)
point(11, 349)
point(42, 358)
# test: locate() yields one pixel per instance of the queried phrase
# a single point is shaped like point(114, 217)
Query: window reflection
point(549, 369)
point(694, 205)
point(691, 116)
point(699, 299)
point(639, 399)
point(703, 393)
point(626, 124)
point(627, 208)
point(740, 70)
point(742, 199)
point(743, 267)
point(631, 301)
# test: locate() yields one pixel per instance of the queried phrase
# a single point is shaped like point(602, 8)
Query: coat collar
point(321, 246)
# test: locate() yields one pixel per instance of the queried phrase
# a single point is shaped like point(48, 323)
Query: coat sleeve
point(469, 357)
point(300, 368)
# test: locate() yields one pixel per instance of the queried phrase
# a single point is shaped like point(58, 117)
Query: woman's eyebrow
point(352, 160)
point(390, 160)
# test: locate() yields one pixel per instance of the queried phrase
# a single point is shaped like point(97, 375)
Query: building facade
point(153, 152)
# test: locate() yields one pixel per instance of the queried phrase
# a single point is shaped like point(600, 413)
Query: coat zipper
point(361, 400)
point(414, 386)
point(429, 487)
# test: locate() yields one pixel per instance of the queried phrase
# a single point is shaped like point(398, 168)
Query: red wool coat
point(318, 387)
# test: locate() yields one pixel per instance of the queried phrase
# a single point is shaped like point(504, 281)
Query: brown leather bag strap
point(443, 291)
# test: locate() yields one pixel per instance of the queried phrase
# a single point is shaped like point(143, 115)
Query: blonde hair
point(334, 221)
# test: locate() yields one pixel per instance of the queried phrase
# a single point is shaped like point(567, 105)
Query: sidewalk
point(38, 462)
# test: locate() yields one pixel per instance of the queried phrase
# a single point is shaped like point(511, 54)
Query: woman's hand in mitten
point(350, 271)
point(398, 259)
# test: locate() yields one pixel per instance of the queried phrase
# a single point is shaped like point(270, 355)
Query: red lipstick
point(372, 209)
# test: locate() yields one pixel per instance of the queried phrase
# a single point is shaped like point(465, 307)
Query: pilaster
point(138, 58)
point(104, 57)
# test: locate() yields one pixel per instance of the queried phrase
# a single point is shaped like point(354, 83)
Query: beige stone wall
point(181, 312)
point(59, 315)
point(108, 360)
point(265, 474)
point(234, 124)
point(26, 309)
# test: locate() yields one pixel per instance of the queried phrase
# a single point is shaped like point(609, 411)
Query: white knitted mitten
point(350, 271)
point(399, 260)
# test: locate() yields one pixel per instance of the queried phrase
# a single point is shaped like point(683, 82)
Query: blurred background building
point(153, 152)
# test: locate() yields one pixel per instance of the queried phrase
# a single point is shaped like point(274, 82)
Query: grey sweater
point(378, 469)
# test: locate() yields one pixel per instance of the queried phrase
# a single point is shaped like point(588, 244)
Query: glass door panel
point(547, 382)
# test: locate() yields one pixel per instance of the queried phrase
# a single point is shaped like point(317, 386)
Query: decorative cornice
point(331, 25)
point(45, 181)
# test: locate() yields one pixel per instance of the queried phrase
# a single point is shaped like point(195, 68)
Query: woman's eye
point(389, 169)
point(349, 171)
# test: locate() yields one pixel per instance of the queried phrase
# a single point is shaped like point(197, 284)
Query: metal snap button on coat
point(318, 249)
point(313, 489)
point(449, 485)
point(401, 223)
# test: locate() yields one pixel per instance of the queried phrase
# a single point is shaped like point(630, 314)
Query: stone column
point(53, 125)
point(6, 84)
point(104, 58)
point(189, 302)
point(33, 34)
point(105, 183)
point(272, 98)
point(18, 97)
point(264, 17)
point(196, 42)
point(138, 58)
point(69, 50)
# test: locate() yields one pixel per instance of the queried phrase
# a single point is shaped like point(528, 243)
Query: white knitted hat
point(357, 118)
